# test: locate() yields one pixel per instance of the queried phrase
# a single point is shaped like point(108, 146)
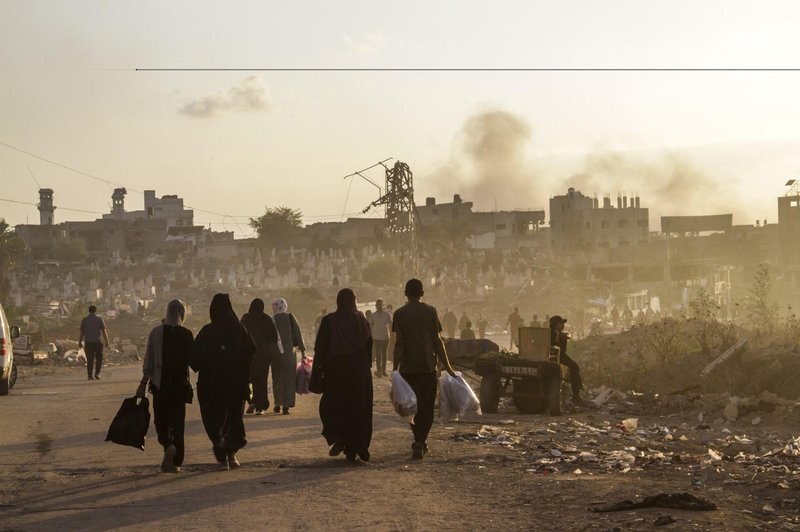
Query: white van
point(8, 376)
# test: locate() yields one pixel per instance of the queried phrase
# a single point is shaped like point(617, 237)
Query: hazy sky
point(235, 142)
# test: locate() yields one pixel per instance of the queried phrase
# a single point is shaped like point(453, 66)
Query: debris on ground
point(678, 501)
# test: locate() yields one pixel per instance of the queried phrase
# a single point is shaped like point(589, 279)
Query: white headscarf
point(279, 306)
point(176, 311)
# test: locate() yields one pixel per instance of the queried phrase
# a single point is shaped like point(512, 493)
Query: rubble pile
point(577, 447)
point(665, 358)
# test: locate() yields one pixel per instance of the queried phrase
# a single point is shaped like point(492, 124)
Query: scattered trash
point(604, 394)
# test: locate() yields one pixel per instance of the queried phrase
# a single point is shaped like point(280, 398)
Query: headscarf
point(221, 311)
point(176, 312)
point(260, 325)
point(349, 328)
point(256, 306)
point(279, 306)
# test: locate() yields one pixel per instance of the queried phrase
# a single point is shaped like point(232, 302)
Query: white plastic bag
point(403, 397)
point(456, 398)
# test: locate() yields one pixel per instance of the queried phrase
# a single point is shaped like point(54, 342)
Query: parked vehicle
point(532, 379)
point(8, 376)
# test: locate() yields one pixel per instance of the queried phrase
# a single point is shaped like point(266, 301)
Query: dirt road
point(59, 474)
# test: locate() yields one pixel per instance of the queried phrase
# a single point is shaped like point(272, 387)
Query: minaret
point(46, 208)
point(118, 201)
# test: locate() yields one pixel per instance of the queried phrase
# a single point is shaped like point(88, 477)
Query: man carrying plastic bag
point(456, 397)
point(403, 398)
point(418, 345)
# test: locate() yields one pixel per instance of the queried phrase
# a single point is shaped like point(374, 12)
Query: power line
point(467, 69)
point(34, 178)
point(59, 207)
point(109, 182)
point(45, 159)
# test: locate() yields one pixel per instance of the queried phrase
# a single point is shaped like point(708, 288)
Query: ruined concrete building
point(579, 224)
point(789, 225)
point(164, 224)
point(487, 230)
point(168, 208)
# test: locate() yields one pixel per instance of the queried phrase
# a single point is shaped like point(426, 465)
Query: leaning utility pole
point(398, 201)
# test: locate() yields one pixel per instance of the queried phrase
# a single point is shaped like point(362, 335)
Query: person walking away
point(343, 352)
point(221, 356)
point(450, 322)
point(390, 350)
point(514, 322)
point(558, 338)
point(462, 321)
point(283, 372)
point(482, 324)
point(380, 324)
point(166, 368)
point(418, 345)
point(92, 328)
point(264, 334)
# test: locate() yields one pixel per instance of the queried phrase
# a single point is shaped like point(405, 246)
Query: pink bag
point(303, 375)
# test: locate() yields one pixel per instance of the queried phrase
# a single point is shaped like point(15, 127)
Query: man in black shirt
point(559, 339)
point(418, 345)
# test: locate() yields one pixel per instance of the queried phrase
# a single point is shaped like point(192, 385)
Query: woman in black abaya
point(263, 332)
point(343, 351)
point(221, 356)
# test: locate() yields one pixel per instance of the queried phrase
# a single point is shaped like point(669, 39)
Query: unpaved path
point(59, 474)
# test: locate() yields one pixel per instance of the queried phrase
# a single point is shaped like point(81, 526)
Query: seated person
point(468, 333)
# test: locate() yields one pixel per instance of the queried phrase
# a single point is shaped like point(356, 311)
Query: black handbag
point(315, 384)
point(130, 425)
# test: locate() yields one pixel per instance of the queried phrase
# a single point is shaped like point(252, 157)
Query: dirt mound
point(668, 357)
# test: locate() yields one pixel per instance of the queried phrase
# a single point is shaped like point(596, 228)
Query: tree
point(278, 226)
point(760, 310)
point(12, 248)
point(703, 309)
point(382, 271)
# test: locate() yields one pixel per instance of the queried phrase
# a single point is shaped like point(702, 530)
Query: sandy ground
point(59, 474)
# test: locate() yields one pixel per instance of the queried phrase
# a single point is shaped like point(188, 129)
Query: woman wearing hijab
point(343, 351)
point(285, 364)
point(166, 368)
point(221, 356)
point(262, 331)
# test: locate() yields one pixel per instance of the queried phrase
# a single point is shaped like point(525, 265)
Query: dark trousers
point(224, 423)
point(169, 418)
point(574, 375)
point(379, 348)
point(94, 356)
point(424, 386)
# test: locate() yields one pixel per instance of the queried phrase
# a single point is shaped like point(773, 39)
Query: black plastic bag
point(131, 423)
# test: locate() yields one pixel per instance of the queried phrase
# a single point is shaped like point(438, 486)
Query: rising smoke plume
point(668, 182)
point(250, 95)
point(490, 166)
